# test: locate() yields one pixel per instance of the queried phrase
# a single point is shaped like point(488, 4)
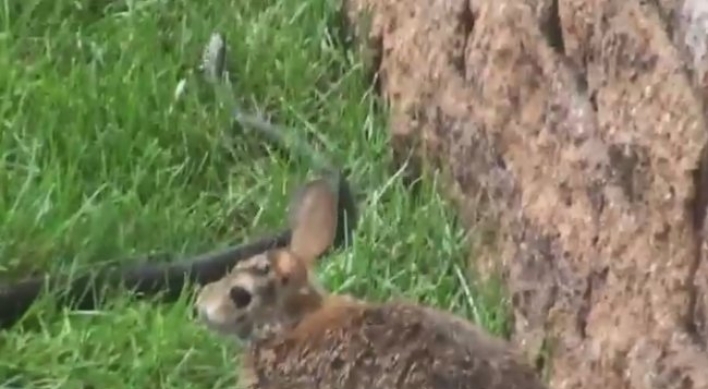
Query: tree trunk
point(577, 130)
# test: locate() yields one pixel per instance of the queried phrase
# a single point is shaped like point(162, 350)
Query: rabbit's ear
point(313, 220)
point(289, 268)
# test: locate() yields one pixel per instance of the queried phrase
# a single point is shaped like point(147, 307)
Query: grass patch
point(96, 166)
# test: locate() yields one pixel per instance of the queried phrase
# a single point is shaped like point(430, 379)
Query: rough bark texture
point(577, 128)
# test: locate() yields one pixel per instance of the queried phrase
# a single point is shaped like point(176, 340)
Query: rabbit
point(299, 336)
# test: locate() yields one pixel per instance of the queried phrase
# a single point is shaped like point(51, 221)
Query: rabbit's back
point(386, 346)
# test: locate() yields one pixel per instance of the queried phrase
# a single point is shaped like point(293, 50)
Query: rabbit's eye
point(240, 297)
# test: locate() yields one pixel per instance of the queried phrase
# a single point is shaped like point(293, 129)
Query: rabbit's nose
point(240, 297)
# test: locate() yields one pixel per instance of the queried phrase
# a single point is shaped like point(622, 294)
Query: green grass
point(97, 164)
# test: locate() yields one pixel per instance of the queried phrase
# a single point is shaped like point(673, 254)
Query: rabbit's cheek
point(244, 329)
point(228, 324)
point(215, 313)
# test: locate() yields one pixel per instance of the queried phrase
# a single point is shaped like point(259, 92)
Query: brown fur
point(300, 337)
point(389, 345)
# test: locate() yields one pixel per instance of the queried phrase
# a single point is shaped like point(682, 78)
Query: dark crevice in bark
point(465, 26)
point(697, 213)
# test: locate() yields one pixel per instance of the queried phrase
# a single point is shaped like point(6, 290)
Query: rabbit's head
point(275, 289)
